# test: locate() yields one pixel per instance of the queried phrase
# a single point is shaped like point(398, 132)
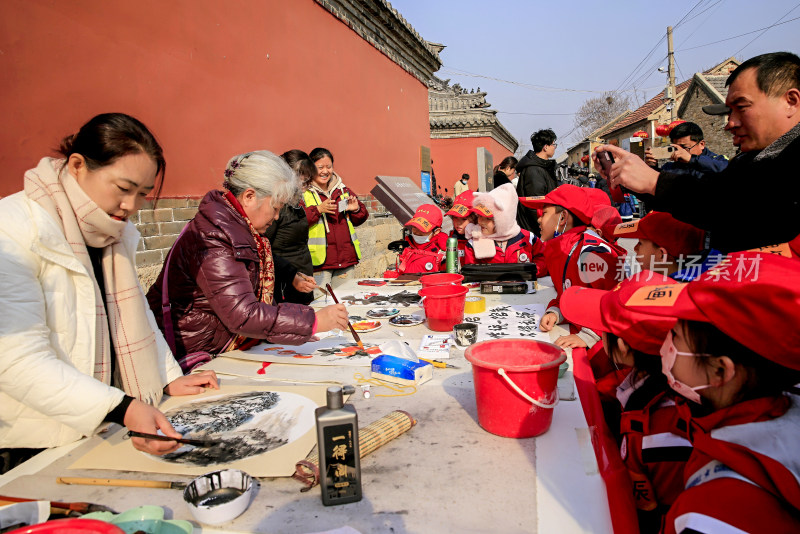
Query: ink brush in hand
point(352, 330)
point(159, 437)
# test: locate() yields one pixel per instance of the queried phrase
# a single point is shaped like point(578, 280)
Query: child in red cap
point(497, 238)
point(666, 245)
point(604, 222)
point(427, 244)
point(461, 215)
point(735, 355)
point(653, 447)
point(574, 256)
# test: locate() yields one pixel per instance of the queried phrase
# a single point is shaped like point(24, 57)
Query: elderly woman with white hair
point(218, 282)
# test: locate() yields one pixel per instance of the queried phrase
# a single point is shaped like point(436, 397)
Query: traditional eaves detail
point(457, 113)
point(378, 23)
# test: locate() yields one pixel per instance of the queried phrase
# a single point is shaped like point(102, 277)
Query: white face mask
point(668, 356)
point(421, 239)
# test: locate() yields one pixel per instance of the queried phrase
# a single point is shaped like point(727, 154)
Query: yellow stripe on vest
point(317, 236)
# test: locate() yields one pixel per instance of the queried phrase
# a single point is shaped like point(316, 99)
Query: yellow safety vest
point(317, 239)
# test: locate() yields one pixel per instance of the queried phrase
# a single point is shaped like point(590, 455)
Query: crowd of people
point(696, 356)
point(698, 364)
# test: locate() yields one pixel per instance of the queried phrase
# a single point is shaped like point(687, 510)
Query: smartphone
point(606, 161)
point(662, 152)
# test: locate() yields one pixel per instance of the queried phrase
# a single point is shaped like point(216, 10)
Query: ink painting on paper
point(240, 425)
point(333, 350)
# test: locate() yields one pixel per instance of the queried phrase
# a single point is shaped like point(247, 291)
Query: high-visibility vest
point(317, 238)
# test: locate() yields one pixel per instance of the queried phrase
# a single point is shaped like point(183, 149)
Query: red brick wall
point(212, 79)
point(454, 157)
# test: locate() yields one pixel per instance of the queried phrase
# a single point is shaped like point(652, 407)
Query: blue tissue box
point(401, 371)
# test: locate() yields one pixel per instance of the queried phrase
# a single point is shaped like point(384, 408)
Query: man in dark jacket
point(763, 108)
point(690, 155)
point(537, 176)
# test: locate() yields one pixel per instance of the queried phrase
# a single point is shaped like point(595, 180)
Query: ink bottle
point(337, 444)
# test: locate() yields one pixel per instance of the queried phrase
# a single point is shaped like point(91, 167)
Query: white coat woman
point(78, 343)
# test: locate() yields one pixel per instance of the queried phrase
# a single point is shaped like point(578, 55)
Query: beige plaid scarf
point(52, 187)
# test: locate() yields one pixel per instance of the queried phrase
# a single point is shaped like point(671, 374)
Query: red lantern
point(585, 158)
point(673, 124)
point(641, 134)
point(662, 130)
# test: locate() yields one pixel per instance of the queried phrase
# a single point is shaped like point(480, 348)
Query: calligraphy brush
point(437, 363)
point(159, 437)
point(352, 330)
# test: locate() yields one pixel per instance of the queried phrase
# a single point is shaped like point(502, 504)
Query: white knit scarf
point(52, 187)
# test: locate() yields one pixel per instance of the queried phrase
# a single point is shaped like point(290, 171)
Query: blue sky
point(573, 50)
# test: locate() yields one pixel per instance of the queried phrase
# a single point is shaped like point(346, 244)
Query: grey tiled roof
point(455, 112)
point(717, 82)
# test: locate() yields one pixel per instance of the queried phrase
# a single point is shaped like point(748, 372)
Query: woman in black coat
point(289, 234)
point(505, 172)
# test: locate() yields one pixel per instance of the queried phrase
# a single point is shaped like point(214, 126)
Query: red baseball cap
point(598, 196)
point(606, 219)
point(787, 250)
point(604, 311)
point(753, 298)
point(677, 237)
point(426, 218)
point(571, 197)
point(482, 211)
point(461, 205)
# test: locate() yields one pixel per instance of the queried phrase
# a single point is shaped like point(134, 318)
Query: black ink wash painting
point(239, 426)
point(403, 298)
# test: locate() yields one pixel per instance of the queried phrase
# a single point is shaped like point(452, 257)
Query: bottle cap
point(335, 399)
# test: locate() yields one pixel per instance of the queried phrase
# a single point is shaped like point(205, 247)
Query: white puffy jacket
point(48, 396)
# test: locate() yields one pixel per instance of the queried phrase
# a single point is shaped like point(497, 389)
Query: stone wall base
point(161, 225)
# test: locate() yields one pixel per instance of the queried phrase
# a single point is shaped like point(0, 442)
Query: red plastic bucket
point(515, 385)
point(444, 306)
point(441, 279)
point(76, 525)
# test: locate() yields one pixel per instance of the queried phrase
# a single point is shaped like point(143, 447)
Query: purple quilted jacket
point(212, 275)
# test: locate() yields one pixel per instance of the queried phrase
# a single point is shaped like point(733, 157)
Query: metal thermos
point(452, 255)
point(339, 455)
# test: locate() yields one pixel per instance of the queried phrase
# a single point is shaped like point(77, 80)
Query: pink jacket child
point(497, 238)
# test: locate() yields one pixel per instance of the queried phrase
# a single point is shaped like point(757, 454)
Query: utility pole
point(671, 87)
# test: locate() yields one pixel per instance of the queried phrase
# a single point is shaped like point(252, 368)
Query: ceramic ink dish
point(406, 320)
point(219, 496)
point(366, 326)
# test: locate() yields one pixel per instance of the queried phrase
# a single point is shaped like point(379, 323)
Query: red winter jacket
point(654, 448)
point(426, 258)
point(585, 259)
point(212, 273)
point(743, 473)
point(340, 252)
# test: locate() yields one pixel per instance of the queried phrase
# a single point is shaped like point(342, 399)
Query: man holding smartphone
point(763, 109)
point(689, 154)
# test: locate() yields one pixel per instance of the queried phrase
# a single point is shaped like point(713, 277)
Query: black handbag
point(499, 272)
